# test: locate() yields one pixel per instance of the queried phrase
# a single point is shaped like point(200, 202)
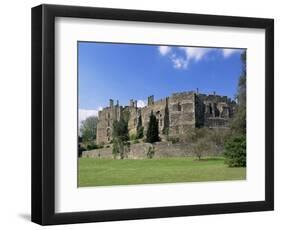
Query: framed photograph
point(142, 114)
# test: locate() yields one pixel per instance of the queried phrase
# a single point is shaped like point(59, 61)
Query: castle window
point(108, 134)
point(210, 109)
point(160, 122)
point(179, 107)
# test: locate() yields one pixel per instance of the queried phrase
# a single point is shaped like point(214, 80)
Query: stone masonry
point(184, 110)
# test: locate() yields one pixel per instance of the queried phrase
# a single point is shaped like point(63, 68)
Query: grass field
point(102, 172)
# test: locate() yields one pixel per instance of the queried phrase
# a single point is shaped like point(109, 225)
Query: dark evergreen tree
point(166, 121)
point(139, 128)
point(152, 134)
point(235, 151)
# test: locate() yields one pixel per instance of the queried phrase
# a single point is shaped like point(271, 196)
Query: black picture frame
point(43, 114)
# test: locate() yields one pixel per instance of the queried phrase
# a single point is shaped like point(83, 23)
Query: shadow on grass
point(210, 159)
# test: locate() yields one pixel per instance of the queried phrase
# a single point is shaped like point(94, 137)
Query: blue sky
point(125, 71)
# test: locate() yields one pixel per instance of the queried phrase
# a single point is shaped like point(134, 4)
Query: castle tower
point(111, 102)
point(131, 103)
point(150, 100)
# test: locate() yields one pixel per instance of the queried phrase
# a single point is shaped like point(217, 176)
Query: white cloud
point(141, 103)
point(179, 62)
point(85, 113)
point(182, 56)
point(164, 50)
point(228, 52)
point(195, 53)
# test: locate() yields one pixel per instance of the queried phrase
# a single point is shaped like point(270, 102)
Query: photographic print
point(160, 114)
point(137, 102)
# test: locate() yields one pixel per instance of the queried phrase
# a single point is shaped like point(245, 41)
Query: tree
point(200, 147)
point(152, 134)
point(235, 147)
point(239, 121)
point(166, 121)
point(120, 138)
point(88, 128)
point(120, 130)
point(139, 128)
point(235, 151)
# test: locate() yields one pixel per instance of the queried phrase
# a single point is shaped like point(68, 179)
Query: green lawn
point(102, 172)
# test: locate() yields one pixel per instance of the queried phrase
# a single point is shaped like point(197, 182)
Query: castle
point(178, 112)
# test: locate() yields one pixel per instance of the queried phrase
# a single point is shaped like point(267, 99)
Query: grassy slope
point(95, 172)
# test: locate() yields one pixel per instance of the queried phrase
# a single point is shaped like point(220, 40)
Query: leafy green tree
point(120, 138)
point(139, 129)
point(152, 134)
point(88, 129)
point(235, 151)
point(239, 121)
point(235, 147)
point(120, 130)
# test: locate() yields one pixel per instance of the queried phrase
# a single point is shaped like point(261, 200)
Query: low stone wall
point(167, 149)
point(98, 153)
point(140, 150)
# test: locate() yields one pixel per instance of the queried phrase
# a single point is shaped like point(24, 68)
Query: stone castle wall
point(185, 110)
point(161, 149)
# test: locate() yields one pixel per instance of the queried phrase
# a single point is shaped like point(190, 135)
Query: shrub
point(200, 148)
point(115, 148)
point(136, 141)
point(150, 152)
point(140, 132)
point(92, 146)
point(235, 151)
point(133, 137)
point(174, 139)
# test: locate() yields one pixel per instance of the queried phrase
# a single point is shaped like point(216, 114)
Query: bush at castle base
point(235, 151)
